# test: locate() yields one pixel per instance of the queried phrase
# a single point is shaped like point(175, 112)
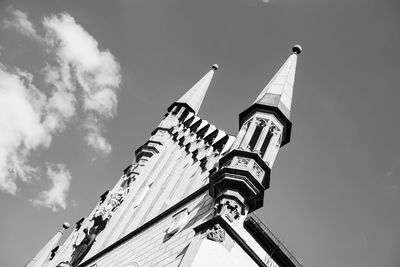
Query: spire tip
point(66, 225)
point(214, 67)
point(297, 49)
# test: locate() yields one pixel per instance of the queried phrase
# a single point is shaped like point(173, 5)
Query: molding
point(179, 104)
point(169, 130)
point(247, 154)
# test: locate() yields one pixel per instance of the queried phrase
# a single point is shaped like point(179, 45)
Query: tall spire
point(279, 90)
point(43, 255)
point(276, 97)
point(194, 97)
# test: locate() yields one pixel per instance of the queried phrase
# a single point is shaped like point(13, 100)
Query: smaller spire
point(43, 255)
point(194, 97)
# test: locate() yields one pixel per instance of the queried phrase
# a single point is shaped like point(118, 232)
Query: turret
point(244, 173)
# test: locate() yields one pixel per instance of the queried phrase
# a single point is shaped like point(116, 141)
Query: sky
point(83, 84)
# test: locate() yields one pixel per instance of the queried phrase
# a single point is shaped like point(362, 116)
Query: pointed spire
point(279, 90)
point(194, 97)
point(43, 255)
point(276, 97)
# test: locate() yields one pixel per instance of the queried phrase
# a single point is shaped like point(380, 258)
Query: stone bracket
point(229, 231)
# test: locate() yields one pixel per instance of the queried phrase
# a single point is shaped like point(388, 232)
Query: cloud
point(55, 197)
point(79, 76)
point(61, 105)
point(80, 62)
point(21, 109)
point(20, 22)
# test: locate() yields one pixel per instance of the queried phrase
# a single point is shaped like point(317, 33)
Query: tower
point(187, 198)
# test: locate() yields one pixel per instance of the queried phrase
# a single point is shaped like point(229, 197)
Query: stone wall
point(152, 246)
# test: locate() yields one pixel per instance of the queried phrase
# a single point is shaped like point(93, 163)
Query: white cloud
point(94, 137)
point(81, 62)
point(80, 76)
point(20, 22)
point(98, 142)
point(56, 196)
point(21, 109)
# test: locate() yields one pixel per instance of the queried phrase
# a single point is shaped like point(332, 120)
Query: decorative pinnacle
point(66, 225)
point(214, 67)
point(297, 49)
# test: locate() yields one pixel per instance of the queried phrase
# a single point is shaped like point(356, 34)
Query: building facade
point(187, 198)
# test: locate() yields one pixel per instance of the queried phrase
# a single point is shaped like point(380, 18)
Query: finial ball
point(66, 225)
point(215, 67)
point(297, 49)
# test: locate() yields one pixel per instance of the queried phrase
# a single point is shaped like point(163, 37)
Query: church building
point(188, 197)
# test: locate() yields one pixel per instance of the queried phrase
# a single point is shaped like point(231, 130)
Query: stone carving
point(78, 224)
point(106, 209)
point(228, 208)
point(109, 202)
point(100, 219)
point(216, 233)
point(129, 176)
point(257, 170)
point(127, 179)
point(242, 162)
point(261, 122)
point(83, 248)
point(274, 130)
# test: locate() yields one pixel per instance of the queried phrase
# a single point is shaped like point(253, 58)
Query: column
point(240, 136)
point(273, 148)
point(249, 134)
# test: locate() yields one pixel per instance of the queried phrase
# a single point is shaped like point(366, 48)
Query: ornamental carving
point(137, 167)
point(216, 233)
point(257, 170)
point(242, 162)
point(228, 208)
point(261, 122)
point(100, 219)
point(107, 208)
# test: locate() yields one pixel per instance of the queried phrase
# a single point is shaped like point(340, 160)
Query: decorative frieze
point(246, 164)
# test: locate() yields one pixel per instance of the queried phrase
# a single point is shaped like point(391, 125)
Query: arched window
point(256, 134)
point(266, 141)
